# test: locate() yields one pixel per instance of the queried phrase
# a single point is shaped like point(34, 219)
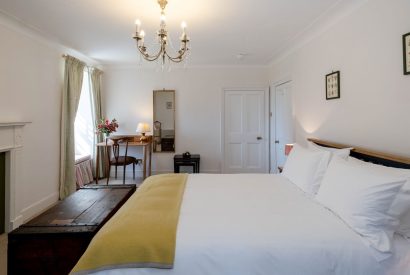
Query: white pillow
point(342, 153)
point(306, 168)
point(362, 197)
point(401, 205)
point(404, 227)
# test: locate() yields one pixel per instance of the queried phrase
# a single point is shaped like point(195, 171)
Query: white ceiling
point(219, 29)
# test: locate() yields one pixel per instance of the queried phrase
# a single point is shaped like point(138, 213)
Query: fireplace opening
point(2, 192)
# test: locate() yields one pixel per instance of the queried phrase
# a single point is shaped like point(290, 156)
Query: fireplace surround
point(2, 192)
point(11, 143)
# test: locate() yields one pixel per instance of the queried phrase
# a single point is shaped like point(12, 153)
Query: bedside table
point(193, 161)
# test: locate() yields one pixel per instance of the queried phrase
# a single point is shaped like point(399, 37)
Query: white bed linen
point(263, 224)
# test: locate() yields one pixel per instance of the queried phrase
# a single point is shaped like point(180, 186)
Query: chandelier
point(162, 34)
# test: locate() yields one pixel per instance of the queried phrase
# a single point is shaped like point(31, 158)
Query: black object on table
point(193, 161)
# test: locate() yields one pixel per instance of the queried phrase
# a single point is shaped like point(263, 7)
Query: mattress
point(251, 224)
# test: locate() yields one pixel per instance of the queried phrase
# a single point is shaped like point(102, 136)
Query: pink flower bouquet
point(106, 127)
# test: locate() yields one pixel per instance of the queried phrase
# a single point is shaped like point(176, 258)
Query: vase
point(106, 135)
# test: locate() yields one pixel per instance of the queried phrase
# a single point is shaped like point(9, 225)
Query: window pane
point(84, 132)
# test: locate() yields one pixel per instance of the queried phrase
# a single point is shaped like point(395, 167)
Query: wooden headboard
point(368, 155)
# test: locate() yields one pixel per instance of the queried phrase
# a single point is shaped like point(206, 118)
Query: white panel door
point(282, 122)
point(244, 131)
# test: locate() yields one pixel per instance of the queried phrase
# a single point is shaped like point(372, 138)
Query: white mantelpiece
point(11, 142)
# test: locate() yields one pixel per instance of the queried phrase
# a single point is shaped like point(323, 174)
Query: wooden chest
point(53, 242)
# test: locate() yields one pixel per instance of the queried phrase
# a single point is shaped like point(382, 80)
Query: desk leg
point(107, 164)
point(97, 166)
point(144, 163)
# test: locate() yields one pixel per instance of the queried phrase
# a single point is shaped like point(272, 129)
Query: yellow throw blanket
point(143, 232)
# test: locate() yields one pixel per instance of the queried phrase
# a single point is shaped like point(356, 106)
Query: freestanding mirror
point(164, 121)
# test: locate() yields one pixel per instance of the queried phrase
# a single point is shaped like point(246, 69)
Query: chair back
point(116, 147)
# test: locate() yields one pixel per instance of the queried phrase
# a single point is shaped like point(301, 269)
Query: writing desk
point(134, 141)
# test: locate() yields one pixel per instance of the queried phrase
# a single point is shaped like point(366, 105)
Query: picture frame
point(332, 82)
point(406, 53)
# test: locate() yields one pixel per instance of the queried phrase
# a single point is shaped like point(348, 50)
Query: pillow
point(306, 168)
point(404, 227)
point(401, 205)
point(342, 153)
point(362, 196)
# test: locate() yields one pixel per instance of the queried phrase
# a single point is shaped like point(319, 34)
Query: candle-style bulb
point(183, 25)
point(142, 35)
point(163, 20)
point(138, 24)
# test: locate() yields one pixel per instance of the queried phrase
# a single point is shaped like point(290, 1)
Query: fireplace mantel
point(8, 124)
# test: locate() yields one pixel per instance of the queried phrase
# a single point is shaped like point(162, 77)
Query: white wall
point(31, 80)
point(30, 90)
point(128, 94)
point(374, 108)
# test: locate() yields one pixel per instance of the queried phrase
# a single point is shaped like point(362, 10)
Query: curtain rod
point(87, 66)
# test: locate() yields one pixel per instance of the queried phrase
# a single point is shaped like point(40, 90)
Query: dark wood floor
point(3, 254)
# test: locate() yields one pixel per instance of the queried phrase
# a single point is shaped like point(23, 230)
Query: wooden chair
point(117, 159)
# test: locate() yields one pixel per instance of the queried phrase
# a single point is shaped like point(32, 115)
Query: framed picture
point(406, 53)
point(333, 85)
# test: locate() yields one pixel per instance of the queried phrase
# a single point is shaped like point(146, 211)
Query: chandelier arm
point(147, 57)
point(175, 60)
point(178, 58)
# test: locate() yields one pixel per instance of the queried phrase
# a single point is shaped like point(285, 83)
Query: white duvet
point(263, 224)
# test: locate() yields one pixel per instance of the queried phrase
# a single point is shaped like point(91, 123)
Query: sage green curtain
point(95, 77)
point(73, 81)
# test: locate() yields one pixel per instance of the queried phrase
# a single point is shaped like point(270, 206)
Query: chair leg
point(116, 171)
point(108, 174)
point(133, 170)
point(123, 179)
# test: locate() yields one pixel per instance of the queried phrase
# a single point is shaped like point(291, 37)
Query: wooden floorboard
point(3, 254)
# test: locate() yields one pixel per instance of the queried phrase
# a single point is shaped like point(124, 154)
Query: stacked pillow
point(373, 200)
point(342, 153)
point(306, 168)
point(400, 205)
point(362, 197)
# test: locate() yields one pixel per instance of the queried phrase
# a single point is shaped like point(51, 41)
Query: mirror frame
point(155, 92)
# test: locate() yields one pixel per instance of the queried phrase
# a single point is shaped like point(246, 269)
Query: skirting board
point(15, 223)
point(38, 207)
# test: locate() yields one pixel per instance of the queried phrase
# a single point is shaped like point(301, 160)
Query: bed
point(250, 224)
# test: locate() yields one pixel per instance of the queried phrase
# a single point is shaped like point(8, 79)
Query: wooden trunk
point(53, 242)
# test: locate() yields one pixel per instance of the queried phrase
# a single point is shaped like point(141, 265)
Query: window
point(83, 125)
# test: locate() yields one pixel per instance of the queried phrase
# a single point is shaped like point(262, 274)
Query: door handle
point(277, 141)
point(258, 138)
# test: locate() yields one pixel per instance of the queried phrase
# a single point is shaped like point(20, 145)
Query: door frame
point(266, 137)
point(272, 119)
